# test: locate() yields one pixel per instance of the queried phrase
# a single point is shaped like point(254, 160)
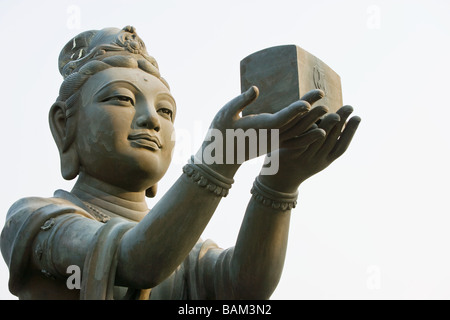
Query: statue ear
point(70, 163)
point(151, 192)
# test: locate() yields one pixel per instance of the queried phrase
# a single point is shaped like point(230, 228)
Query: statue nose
point(149, 120)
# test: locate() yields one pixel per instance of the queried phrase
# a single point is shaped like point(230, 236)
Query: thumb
point(235, 106)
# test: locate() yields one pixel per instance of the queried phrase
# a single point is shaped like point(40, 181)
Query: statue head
point(113, 118)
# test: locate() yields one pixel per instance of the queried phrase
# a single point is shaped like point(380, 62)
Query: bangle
point(272, 198)
point(207, 178)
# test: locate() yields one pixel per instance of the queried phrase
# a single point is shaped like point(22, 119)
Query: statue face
point(125, 127)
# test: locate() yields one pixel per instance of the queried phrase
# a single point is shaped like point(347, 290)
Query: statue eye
point(166, 112)
point(121, 99)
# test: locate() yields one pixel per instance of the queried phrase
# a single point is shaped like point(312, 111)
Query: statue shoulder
point(27, 205)
point(22, 208)
point(25, 219)
point(26, 216)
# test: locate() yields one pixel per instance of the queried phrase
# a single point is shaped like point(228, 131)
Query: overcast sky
point(374, 225)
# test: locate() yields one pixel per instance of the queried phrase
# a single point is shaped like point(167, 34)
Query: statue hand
point(286, 120)
point(298, 162)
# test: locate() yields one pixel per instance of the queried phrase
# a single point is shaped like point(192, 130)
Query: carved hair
point(76, 80)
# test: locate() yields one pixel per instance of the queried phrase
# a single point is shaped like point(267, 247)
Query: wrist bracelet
point(207, 178)
point(272, 198)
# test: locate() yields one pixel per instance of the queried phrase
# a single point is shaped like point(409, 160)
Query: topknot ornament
point(98, 44)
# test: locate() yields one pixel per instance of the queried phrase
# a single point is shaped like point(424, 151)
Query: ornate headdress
point(100, 44)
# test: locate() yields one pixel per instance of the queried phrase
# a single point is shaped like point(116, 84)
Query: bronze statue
point(112, 123)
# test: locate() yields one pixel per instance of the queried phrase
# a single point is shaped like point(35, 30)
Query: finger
point(334, 134)
point(313, 96)
point(304, 140)
point(327, 124)
point(304, 123)
point(235, 106)
point(345, 138)
point(273, 121)
point(293, 122)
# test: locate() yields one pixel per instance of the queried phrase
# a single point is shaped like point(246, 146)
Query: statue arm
point(253, 267)
point(151, 251)
point(257, 260)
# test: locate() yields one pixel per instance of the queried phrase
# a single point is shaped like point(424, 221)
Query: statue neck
point(110, 199)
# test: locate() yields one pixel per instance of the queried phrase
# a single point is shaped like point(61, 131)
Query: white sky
point(374, 225)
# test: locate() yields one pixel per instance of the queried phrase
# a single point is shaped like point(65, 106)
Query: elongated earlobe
point(151, 192)
point(70, 163)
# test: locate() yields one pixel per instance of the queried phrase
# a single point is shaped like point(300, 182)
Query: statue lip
point(146, 140)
